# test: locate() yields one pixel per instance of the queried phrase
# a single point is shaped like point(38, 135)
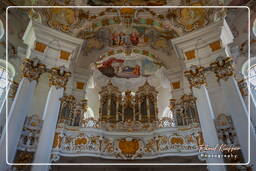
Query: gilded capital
point(32, 69)
point(223, 68)
point(196, 76)
point(58, 77)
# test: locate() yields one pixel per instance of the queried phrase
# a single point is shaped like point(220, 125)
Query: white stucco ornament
point(1, 29)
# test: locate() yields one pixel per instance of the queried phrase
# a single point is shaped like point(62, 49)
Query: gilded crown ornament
point(59, 77)
point(223, 68)
point(32, 69)
point(196, 76)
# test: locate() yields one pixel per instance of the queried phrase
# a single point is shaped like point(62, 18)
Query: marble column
point(249, 100)
point(197, 81)
point(6, 106)
point(31, 70)
point(224, 71)
point(58, 80)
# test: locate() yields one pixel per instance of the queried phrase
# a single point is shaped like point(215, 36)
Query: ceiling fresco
point(127, 2)
point(127, 28)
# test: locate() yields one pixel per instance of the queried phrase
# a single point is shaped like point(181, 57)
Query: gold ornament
point(196, 76)
point(223, 68)
point(59, 77)
point(242, 84)
point(32, 69)
point(129, 148)
point(13, 89)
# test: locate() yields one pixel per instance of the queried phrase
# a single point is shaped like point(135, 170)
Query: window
point(3, 83)
point(254, 27)
point(252, 77)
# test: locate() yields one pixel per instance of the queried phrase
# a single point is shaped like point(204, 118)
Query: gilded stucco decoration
point(32, 69)
point(128, 147)
point(192, 18)
point(58, 77)
point(135, 146)
point(127, 3)
point(243, 87)
point(13, 89)
point(62, 18)
point(23, 157)
point(196, 76)
point(223, 68)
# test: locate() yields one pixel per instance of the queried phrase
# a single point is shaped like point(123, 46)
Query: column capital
point(59, 77)
point(32, 69)
point(196, 76)
point(223, 68)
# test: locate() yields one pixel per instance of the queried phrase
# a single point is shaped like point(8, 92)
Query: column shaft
point(239, 116)
point(16, 119)
point(210, 135)
point(51, 111)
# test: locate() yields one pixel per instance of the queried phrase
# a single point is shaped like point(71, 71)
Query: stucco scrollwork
point(196, 76)
point(58, 77)
point(32, 69)
point(223, 68)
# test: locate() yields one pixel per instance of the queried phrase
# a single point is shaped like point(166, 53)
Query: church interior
point(128, 85)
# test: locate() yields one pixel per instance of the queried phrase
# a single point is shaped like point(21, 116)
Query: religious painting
point(122, 68)
point(129, 37)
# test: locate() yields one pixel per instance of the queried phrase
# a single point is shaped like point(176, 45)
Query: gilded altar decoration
point(73, 113)
point(57, 140)
point(58, 77)
point(184, 110)
point(128, 148)
point(13, 89)
point(223, 68)
point(196, 76)
point(128, 106)
point(32, 69)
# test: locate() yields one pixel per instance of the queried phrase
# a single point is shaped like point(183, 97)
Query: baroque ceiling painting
point(127, 2)
point(127, 68)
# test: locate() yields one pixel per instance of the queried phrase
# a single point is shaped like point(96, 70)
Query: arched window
point(252, 78)
point(7, 73)
point(254, 27)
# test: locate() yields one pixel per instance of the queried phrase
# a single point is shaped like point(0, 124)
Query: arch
point(254, 27)
point(247, 65)
point(1, 29)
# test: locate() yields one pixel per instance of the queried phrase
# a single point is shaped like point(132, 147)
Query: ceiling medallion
point(62, 19)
